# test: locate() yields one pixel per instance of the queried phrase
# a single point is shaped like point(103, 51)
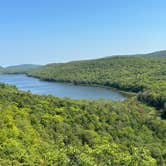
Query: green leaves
point(45, 130)
point(129, 73)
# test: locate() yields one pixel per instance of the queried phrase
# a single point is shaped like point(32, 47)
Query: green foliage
point(19, 69)
point(143, 74)
point(45, 130)
point(1, 70)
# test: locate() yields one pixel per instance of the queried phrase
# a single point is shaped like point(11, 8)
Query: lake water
point(38, 86)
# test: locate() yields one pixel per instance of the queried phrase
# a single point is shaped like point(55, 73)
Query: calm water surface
point(37, 86)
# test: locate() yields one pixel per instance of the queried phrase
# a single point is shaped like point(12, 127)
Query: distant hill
point(144, 73)
point(18, 69)
point(1, 69)
point(161, 54)
point(158, 54)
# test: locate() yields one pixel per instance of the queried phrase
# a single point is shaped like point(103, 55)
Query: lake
point(38, 86)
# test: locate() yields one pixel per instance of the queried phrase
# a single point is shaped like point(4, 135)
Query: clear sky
point(46, 31)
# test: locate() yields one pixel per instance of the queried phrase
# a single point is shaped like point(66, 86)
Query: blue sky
point(46, 31)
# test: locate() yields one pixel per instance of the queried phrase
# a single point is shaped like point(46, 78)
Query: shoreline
point(126, 94)
point(123, 92)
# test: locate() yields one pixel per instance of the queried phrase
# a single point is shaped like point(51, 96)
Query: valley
point(48, 130)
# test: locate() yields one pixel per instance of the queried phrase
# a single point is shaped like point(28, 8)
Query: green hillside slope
point(20, 69)
point(1, 70)
point(158, 54)
point(45, 130)
point(143, 74)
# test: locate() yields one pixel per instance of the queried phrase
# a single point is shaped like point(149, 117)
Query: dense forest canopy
point(45, 130)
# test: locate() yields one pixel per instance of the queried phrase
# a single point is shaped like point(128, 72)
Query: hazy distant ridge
point(24, 68)
point(161, 54)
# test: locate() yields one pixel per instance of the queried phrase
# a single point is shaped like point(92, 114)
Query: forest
point(19, 69)
point(142, 74)
point(46, 130)
point(82, 83)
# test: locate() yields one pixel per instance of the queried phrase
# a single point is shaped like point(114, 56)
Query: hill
point(145, 75)
point(1, 70)
point(158, 54)
point(45, 130)
point(19, 69)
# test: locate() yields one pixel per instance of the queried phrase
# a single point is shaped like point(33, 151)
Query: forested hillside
point(45, 130)
point(1, 70)
point(161, 54)
point(158, 54)
point(145, 75)
point(19, 69)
